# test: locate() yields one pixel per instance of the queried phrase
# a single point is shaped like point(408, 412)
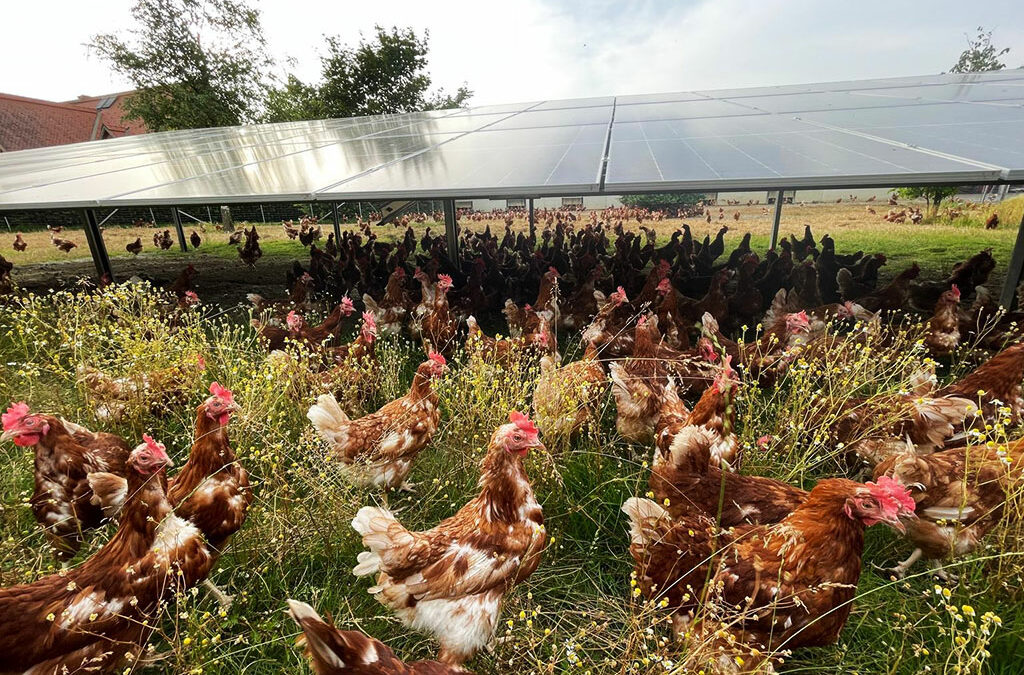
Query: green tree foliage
point(932, 196)
point(661, 200)
point(980, 54)
point(386, 74)
point(196, 63)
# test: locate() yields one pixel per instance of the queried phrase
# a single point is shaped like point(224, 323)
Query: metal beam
point(774, 241)
point(176, 218)
point(392, 210)
point(451, 228)
point(1013, 271)
point(531, 218)
point(337, 223)
point(96, 246)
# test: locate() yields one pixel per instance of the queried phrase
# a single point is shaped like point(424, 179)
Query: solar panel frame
point(950, 128)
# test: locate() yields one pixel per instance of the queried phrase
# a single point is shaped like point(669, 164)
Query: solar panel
point(950, 129)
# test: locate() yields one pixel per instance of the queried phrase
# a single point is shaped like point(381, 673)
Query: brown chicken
point(135, 247)
point(438, 324)
point(250, 251)
point(960, 495)
point(64, 456)
point(19, 243)
point(772, 587)
point(211, 491)
point(566, 398)
point(379, 449)
point(638, 384)
point(449, 581)
point(684, 478)
point(393, 307)
point(195, 239)
point(943, 334)
point(63, 245)
point(90, 618)
point(998, 379)
point(157, 391)
point(339, 652)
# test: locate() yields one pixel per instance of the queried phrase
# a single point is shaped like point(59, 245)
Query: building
point(34, 123)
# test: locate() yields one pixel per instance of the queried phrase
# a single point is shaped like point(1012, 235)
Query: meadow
point(578, 613)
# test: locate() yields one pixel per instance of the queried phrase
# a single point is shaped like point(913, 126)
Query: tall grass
point(578, 613)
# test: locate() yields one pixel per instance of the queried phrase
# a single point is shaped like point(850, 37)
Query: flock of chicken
point(766, 566)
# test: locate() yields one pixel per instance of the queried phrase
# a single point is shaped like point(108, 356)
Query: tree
point(980, 54)
point(932, 195)
point(195, 63)
point(384, 75)
point(661, 200)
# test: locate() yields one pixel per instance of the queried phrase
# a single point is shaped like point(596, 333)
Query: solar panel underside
point(912, 130)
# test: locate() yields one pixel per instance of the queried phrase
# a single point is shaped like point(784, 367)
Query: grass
point(576, 613)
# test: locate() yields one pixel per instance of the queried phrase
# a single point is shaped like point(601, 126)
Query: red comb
point(16, 413)
point(956, 291)
point(892, 494)
point(522, 421)
point(346, 305)
point(221, 392)
point(445, 279)
point(554, 270)
point(158, 448)
point(437, 358)
point(664, 285)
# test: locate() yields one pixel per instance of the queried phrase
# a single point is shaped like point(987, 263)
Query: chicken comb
point(956, 292)
point(16, 413)
point(523, 421)
point(619, 296)
point(222, 392)
point(664, 285)
point(892, 495)
point(641, 321)
point(707, 349)
point(191, 296)
point(554, 270)
point(369, 320)
point(159, 449)
point(445, 279)
point(346, 305)
point(437, 358)
point(293, 320)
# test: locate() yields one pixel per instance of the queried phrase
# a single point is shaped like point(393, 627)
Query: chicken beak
point(7, 436)
point(898, 522)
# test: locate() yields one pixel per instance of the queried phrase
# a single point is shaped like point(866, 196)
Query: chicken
point(567, 398)
point(296, 328)
point(998, 379)
point(638, 385)
point(504, 351)
point(157, 391)
point(684, 479)
point(943, 334)
point(63, 245)
point(135, 247)
point(163, 240)
point(182, 284)
point(379, 449)
point(762, 588)
point(439, 326)
point(195, 239)
point(336, 652)
point(98, 616)
point(960, 495)
point(19, 243)
point(6, 283)
point(250, 251)
point(449, 581)
point(393, 307)
point(64, 456)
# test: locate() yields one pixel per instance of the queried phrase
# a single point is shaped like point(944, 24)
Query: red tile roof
point(33, 123)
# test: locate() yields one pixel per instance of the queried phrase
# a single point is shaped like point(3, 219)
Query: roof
point(33, 123)
point(27, 123)
point(113, 112)
point(933, 129)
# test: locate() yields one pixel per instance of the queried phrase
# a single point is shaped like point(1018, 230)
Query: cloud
point(534, 49)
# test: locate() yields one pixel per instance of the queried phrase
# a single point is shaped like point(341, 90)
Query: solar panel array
point(915, 130)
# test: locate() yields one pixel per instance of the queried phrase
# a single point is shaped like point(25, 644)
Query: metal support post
point(774, 241)
point(176, 218)
point(1013, 271)
point(337, 223)
point(451, 228)
point(530, 219)
point(96, 246)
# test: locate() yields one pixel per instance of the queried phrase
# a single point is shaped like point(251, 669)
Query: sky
point(527, 50)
